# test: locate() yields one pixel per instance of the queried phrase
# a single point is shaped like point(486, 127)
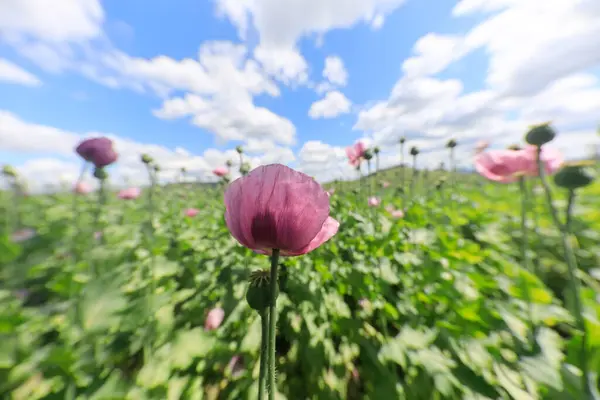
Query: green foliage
point(429, 306)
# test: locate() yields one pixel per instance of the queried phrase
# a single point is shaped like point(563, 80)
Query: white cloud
point(434, 53)
point(334, 71)
point(64, 20)
point(281, 24)
point(556, 38)
point(230, 118)
point(287, 65)
point(12, 73)
point(333, 104)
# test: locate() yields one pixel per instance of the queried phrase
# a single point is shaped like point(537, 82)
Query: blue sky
point(462, 71)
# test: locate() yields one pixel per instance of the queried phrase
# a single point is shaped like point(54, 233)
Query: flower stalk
point(273, 322)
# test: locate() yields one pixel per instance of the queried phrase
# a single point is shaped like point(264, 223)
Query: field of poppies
point(402, 284)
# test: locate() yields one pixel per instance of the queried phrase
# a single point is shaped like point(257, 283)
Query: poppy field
point(401, 284)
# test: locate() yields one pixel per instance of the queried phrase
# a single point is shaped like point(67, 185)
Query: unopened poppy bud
point(451, 144)
point(229, 163)
point(376, 150)
point(8, 170)
point(258, 295)
point(244, 168)
point(414, 151)
point(239, 149)
point(146, 159)
point(539, 135)
point(402, 140)
point(100, 174)
point(574, 176)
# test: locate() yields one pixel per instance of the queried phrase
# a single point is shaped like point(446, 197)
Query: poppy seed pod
point(98, 151)
point(156, 168)
point(239, 149)
point(451, 144)
point(539, 135)
point(402, 140)
point(276, 207)
point(229, 163)
point(368, 155)
point(146, 159)
point(258, 295)
point(574, 176)
point(414, 151)
point(8, 170)
point(100, 174)
point(376, 150)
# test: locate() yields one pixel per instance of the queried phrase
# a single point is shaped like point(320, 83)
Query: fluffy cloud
point(556, 38)
point(334, 71)
point(12, 73)
point(333, 104)
point(280, 24)
point(64, 21)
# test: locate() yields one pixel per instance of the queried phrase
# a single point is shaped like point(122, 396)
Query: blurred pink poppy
point(214, 318)
point(356, 153)
point(397, 214)
point(82, 188)
point(276, 207)
point(374, 201)
point(130, 193)
point(504, 166)
point(385, 184)
point(481, 146)
point(23, 235)
point(191, 212)
point(221, 172)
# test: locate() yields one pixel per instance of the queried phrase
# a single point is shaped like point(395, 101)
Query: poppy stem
point(587, 382)
point(524, 257)
point(273, 322)
point(262, 378)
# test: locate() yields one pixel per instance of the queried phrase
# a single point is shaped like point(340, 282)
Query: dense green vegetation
point(438, 304)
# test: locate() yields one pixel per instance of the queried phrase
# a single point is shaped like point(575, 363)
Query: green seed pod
point(368, 155)
point(229, 163)
point(574, 176)
point(146, 159)
point(376, 150)
point(258, 294)
point(239, 149)
point(451, 144)
point(402, 140)
point(100, 174)
point(539, 135)
point(514, 147)
point(156, 168)
point(8, 170)
point(414, 151)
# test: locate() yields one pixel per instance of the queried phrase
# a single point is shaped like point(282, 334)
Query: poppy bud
point(402, 140)
point(156, 168)
point(258, 295)
point(100, 174)
point(451, 144)
point(539, 135)
point(8, 170)
point(229, 163)
point(239, 149)
point(376, 150)
point(414, 151)
point(146, 159)
point(368, 155)
point(574, 176)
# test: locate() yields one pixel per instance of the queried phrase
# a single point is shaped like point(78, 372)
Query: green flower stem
point(98, 212)
point(262, 378)
point(534, 209)
point(150, 233)
point(273, 322)
point(524, 257)
point(403, 167)
point(586, 379)
point(413, 183)
point(75, 208)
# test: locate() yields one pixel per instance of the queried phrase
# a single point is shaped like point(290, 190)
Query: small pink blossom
point(221, 172)
point(374, 201)
point(276, 207)
point(130, 193)
point(23, 235)
point(397, 214)
point(191, 212)
point(385, 184)
point(214, 318)
point(82, 188)
point(356, 153)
